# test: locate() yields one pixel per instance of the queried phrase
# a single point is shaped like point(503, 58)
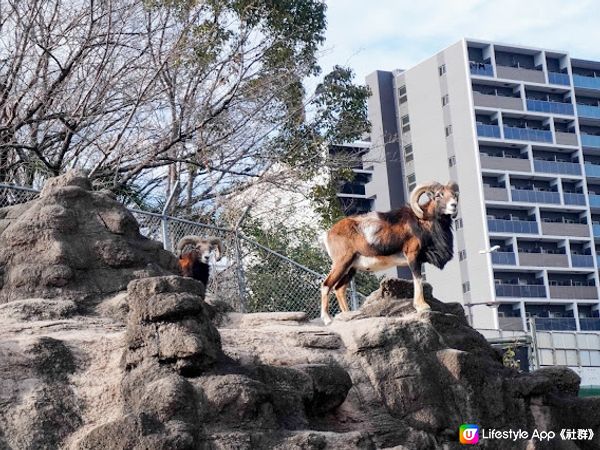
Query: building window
point(402, 96)
point(459, 223)
point(412, 181)
point(409, 157)
point(442, 69)
point(462, 255)
point(405, 122)
point(452, 161)
point(448, 130)
point(408, 149)
point(445, 100)
point(466, 287)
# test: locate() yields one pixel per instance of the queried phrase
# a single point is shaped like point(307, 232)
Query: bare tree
point(200, 96)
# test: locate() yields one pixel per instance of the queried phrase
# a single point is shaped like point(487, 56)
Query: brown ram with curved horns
point(410, 236)
point(194, 254)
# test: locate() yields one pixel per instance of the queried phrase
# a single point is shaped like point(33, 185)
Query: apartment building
point(519, 129)
point(352, 194)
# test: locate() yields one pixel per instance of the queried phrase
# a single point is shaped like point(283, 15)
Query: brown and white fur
point(409, 236)
point(194, 254)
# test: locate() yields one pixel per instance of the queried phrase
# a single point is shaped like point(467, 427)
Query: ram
point(418, 233)
point(194, 255)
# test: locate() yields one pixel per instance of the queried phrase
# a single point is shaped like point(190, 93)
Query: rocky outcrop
point(156, 367)
point(74, 244)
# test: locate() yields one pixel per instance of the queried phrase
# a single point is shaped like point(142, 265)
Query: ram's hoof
point(326, 319)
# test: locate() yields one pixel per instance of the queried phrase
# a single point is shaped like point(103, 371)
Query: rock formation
point(177, 373)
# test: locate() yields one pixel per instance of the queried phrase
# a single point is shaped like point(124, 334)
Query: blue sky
point(391, 34)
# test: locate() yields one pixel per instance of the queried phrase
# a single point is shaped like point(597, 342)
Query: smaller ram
point(194, 254)
point(410, 236)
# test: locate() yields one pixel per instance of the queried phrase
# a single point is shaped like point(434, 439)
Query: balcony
point(560, 167)
point(495, 194)
point(581, 81)
point(512, 226)
point(510, 323)
point(497, 101)
point(588, 111)
point(531, 196)
point(481, 69)
point(559, 78)
point(582, 260)
point(592, 170)
point(543, 260)
point(555, 324)
point(594, 200)
point(485, 130)
point(503, 163)
point(520, 290)
point(590, 140)
point(565, 229)
point(589, 324)
point(563, 138)
point(596, 230)
point(527, 134)
point(519, 73)
point(504, 258)
point(573, 198)
point(550, 107)
point(570, 292)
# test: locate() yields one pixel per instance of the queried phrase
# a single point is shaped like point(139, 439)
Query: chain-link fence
point(250, 277)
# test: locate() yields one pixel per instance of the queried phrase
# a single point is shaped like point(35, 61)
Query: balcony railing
point(495, 194)
point(574, 198)
point(555, 323)
point(531, 196)
point(497, 101)
point(512, 226)
point(565, 229)
point(586, 82)
point(590, 140)
point(569, 292)
point(582, 260)
point(527, 134)
point(520, 290)
point(589, 323)
point(502, 163)
point(592, 170)
point(565, 138)
point(504, 258)
point(543, 259)
point(485, 130)
point(550, 107)
point(594, 200)
point(481, 69)
point(596, 229)
point(592, 112)
point(510, 323)
point(561, 167)
point(520, 73)
point(559, 78)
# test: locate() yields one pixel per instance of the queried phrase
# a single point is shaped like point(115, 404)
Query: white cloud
point(388, 34)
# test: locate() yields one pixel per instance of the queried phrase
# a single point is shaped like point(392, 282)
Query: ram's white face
point(447, 201)
point(204, 251)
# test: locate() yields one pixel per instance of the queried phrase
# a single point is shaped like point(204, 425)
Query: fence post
point(166, 235)
point(353, 296)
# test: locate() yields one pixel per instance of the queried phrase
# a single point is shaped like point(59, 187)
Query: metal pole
point(534, 343)
point(239, 261)
point(353, 296)
point(165, 219)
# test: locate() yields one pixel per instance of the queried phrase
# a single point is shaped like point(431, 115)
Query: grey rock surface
point(102, 347)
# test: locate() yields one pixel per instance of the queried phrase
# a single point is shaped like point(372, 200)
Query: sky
point(397, 34)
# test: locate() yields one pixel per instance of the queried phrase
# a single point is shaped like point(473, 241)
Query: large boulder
point(75, 244)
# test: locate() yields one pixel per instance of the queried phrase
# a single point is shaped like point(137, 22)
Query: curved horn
point(416, 195)
point(218, 246)
point(453, 186)
point(187, 240)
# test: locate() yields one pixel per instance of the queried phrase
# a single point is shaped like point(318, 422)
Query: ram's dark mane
point(438, 244)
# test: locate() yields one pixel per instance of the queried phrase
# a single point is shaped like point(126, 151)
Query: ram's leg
point(419, 300)
point(341, 287)
point(339, 270)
